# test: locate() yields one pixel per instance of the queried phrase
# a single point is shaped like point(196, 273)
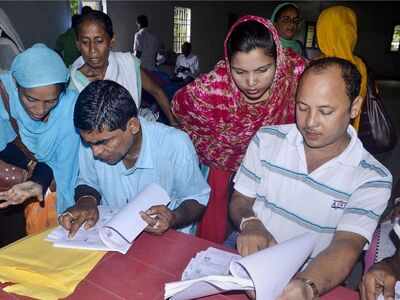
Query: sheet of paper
point(115, 229)
point(209, 285)
point(267, 271)
point(127, 224)
point(213, 261)
point(397, 292)
point(83, 239)
point(271, 269)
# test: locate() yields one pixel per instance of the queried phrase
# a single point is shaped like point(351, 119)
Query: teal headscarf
point(39, 66)
point(286, 43)
point(54, 142)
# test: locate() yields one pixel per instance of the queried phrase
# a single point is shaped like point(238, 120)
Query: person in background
point(121, 154)
point(95, 37)
point(187, 64)
point(254, 85)
point(313, 177)
point(65, 44)
point(286, 18)
point(145, 44)
point(337, 36)
point(39, 115)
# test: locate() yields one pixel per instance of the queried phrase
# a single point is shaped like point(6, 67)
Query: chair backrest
point(8, 50)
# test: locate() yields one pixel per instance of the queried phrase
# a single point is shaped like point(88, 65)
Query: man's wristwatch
point(244, 220)
point(312, 285)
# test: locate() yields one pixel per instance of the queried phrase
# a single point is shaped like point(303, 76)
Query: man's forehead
point(330, 75)
point(97, 134)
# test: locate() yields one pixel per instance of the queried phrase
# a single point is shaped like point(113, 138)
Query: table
point(142, 272)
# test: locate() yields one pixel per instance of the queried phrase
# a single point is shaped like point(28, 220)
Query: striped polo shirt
point(347, 193)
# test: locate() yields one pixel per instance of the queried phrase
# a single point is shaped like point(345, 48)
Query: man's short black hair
point(104, 104)
point(142, 21)
point(351, 76)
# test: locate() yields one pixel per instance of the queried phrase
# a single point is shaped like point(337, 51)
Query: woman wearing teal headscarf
point(286, 18)
point(43, 110)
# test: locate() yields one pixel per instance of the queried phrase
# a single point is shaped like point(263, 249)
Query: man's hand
point(380, 279)
point(254, 237)
point(296, 290)
point(159, 218)
point(20, 193)
point(85, 212)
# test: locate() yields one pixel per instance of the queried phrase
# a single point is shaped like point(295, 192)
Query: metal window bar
point(182, 21)
point(395, 44)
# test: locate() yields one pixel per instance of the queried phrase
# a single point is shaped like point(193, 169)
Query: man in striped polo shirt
point(313, 176)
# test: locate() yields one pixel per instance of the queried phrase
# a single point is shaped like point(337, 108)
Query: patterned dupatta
point(220, 123)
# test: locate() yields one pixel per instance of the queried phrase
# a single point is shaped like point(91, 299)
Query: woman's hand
point(21, 192)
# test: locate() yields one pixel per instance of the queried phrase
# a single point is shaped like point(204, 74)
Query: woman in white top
point(95, 37)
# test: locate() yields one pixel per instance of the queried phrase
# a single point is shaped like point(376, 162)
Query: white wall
point(38, 21)
point(45, 20)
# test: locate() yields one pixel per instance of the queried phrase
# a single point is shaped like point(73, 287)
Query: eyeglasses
point(287, 20)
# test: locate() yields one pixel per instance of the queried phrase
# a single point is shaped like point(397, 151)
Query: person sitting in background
point(187, 64)
point(95, 37)
point(286, 18)
point(314, 177)
point(36, 123)
point(121, 154)
point(253, 86)
point(145, 44)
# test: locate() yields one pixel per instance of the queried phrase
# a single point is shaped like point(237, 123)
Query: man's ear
point(133, 125)
point(356, 106)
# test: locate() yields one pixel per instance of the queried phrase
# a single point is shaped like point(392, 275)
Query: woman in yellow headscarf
point(337, 36)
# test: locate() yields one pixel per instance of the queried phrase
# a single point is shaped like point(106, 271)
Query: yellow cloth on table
point(42, 271)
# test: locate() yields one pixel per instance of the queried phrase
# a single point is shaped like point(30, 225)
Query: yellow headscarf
point(337, 36)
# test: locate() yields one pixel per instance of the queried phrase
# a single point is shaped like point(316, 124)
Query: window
point(76, 5)
point(311, 36)
point(395, 45)
point(182, 21)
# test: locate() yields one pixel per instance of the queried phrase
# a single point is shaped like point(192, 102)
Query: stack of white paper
point(116, 229)
point(267, 272)
point(212, 261)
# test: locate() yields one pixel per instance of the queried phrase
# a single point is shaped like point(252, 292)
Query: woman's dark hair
point(248, 36)
point(96, 16)
point(283, 9)
point(104, 104)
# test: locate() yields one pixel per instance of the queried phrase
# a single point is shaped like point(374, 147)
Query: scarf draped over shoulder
point(123, 68)
point(220, 123)
point(337, 36)
point(54, 142)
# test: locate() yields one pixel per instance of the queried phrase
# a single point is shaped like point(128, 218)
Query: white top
point(191, 62)
point(148, 44)
point(347, 193)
